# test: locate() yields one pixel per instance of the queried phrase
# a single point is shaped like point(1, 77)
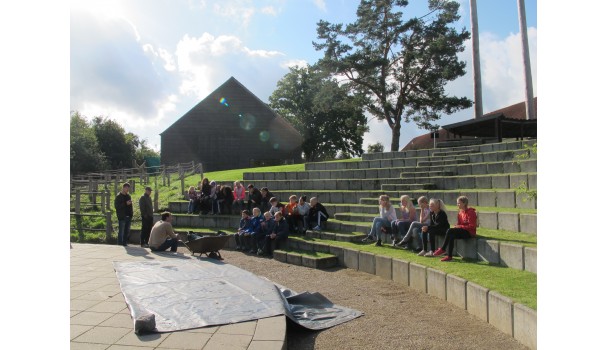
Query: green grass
point(237, 174)
point(523, 239)
point(520, 286)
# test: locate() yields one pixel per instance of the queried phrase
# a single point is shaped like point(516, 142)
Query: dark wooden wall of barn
point(234, 134)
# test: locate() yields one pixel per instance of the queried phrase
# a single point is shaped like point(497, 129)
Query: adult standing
point(147, 215)
point(124, 211)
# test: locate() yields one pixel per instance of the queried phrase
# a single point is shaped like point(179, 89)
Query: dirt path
point(396, 317)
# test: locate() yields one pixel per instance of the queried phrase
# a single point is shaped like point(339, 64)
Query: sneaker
point(406, 247)
point(368, 239)
point(439, 252)
point(429, 253)
point(422, 253)
point(259, 252)
point(252, 251)
point(378, 243)
point(394, 243)
point(237, 247)
point(446, 258)
point(317, 228)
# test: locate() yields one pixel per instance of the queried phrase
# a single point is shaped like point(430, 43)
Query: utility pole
point(522, 17)
point(476, 62)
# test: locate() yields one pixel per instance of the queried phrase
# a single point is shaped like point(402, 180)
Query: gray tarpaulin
point(190, 293)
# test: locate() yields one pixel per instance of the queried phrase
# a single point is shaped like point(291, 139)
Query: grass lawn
point(520, 286)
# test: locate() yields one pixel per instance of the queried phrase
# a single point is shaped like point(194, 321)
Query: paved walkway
point(100, 318)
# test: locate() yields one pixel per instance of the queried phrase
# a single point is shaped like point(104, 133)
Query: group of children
point(432, 221)
point(262, 234)
point(212, 198)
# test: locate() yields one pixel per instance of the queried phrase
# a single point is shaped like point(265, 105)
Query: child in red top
point(465, 228)
point(291, 209)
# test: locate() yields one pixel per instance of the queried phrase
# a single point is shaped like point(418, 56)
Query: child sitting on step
point(465, 228)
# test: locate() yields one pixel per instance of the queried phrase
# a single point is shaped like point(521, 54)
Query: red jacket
point(466, 219)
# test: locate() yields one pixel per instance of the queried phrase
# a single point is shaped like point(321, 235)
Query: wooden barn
point(231, 129)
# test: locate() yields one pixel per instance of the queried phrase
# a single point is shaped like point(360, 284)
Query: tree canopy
point(330, 120)
point(400, 67)
point(103, 144)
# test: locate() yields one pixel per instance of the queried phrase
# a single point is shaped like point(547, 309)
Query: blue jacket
point(255, 224)
point(245, 225)
point(281, 228)
point(266, 227)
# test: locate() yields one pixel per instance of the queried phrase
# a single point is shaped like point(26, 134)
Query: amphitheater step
point(336, 236)
point(303, 257)
point(443, 162)
point(424, 174)
point(443, 153)
point(409, 187)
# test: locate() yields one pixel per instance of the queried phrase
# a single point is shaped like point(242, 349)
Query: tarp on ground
point(185, 293)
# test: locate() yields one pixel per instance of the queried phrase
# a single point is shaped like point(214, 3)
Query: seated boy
point(249, 236)
point(317, 214)
point(265, 229)
point(279, 235)
point(243, 227)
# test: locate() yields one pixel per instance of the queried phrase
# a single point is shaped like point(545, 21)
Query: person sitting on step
point(414, 234)
point(250, 235)
point(291, 212)
point(163, 236)
point(317, 214)
point(276, 206)
point(387, 214)
point(401, 226)
point(465, 228)
point(243, 227)
point(265, 199)
point(278, 238)
point(439, 224)
point(303, 209)
point(265, 229)
point(238, 193)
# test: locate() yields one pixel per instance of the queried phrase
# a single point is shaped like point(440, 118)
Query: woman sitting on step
point(439, 224)
point(415, 228)
point(465, 228)
point(400, 226)
point(387, 214)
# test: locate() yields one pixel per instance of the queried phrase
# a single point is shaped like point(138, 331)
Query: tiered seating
point(487, 174)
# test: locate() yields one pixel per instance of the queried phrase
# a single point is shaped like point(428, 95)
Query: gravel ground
point(395, 317)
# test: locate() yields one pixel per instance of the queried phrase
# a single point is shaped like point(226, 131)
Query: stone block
point(500, 181)
point(506, 199)
point(456, 291)
point(280, 256)
point(371, 173)
point(525, 325)
point(366, 262)
point(437, 283)
point(327, 236)
point(307, 246)
point(476, 300)
point(529, 166)
point(476, 158)
point(336, 197)
point(487, 220)
point(466, 182)
point(322, 248)
point(500, 312)
point(400, 271)
point(479, 169)
point(495, 168)
point(350, 197)
point(530, 259)
point(528, 223)
point(508, 221)
point(452, 216)
point(383, 267)
point(330, 184)
point(483, 181)
point(487, 199)
point(293, 244)
point(511, 255)
point(511, 167)
point(294, 259)
point(417, 277)
point(339, 253)
point(351, 258)
point(466, 248)
point(517, 180)
point(450, 198)
point(489, 157)
point(450, 183)
point(488, 251)
point(523, 200)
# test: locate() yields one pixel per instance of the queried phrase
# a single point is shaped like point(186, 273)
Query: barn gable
point(231, 128)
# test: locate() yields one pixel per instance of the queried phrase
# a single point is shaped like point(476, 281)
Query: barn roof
point(233, 87)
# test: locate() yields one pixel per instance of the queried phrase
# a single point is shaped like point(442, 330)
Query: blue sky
point(146, 63)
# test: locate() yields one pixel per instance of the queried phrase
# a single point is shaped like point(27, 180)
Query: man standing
point(162, 235)
point(147, 215)
point(124, 211)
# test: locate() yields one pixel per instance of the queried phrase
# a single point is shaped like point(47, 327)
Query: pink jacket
point(239, 193)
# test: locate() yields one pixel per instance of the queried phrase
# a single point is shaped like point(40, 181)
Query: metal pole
point(476, 62)
point(529, 108)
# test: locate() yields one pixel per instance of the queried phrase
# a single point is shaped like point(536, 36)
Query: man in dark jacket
point(265, 199)
point(147, 215)
point(254, 198)
point(124, 211)
point(317, 214)
point(279, 235)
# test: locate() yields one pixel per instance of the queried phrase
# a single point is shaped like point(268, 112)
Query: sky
point(145, 63)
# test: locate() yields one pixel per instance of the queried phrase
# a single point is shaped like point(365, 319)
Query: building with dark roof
point(231, 129)
point(483, 127)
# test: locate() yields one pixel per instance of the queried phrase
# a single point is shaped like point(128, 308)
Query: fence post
point(168, 174)
point(94, 199)
point(132, 183)
point(182, 185)
point(155, 201)
point(116, 185)
point(107, 198)
point(108, 226)
point(163, 173)
point(77, 202)
point(201, 173)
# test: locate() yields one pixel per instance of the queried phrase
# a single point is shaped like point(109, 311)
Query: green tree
point(114, 143)
point(85, 154)
point(330, 120)
point(401, 67)
point(375, 148)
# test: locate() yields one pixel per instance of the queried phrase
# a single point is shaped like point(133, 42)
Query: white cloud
point(240, 11)
point(321, 5)
point(269, 10)
point(293, 63)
